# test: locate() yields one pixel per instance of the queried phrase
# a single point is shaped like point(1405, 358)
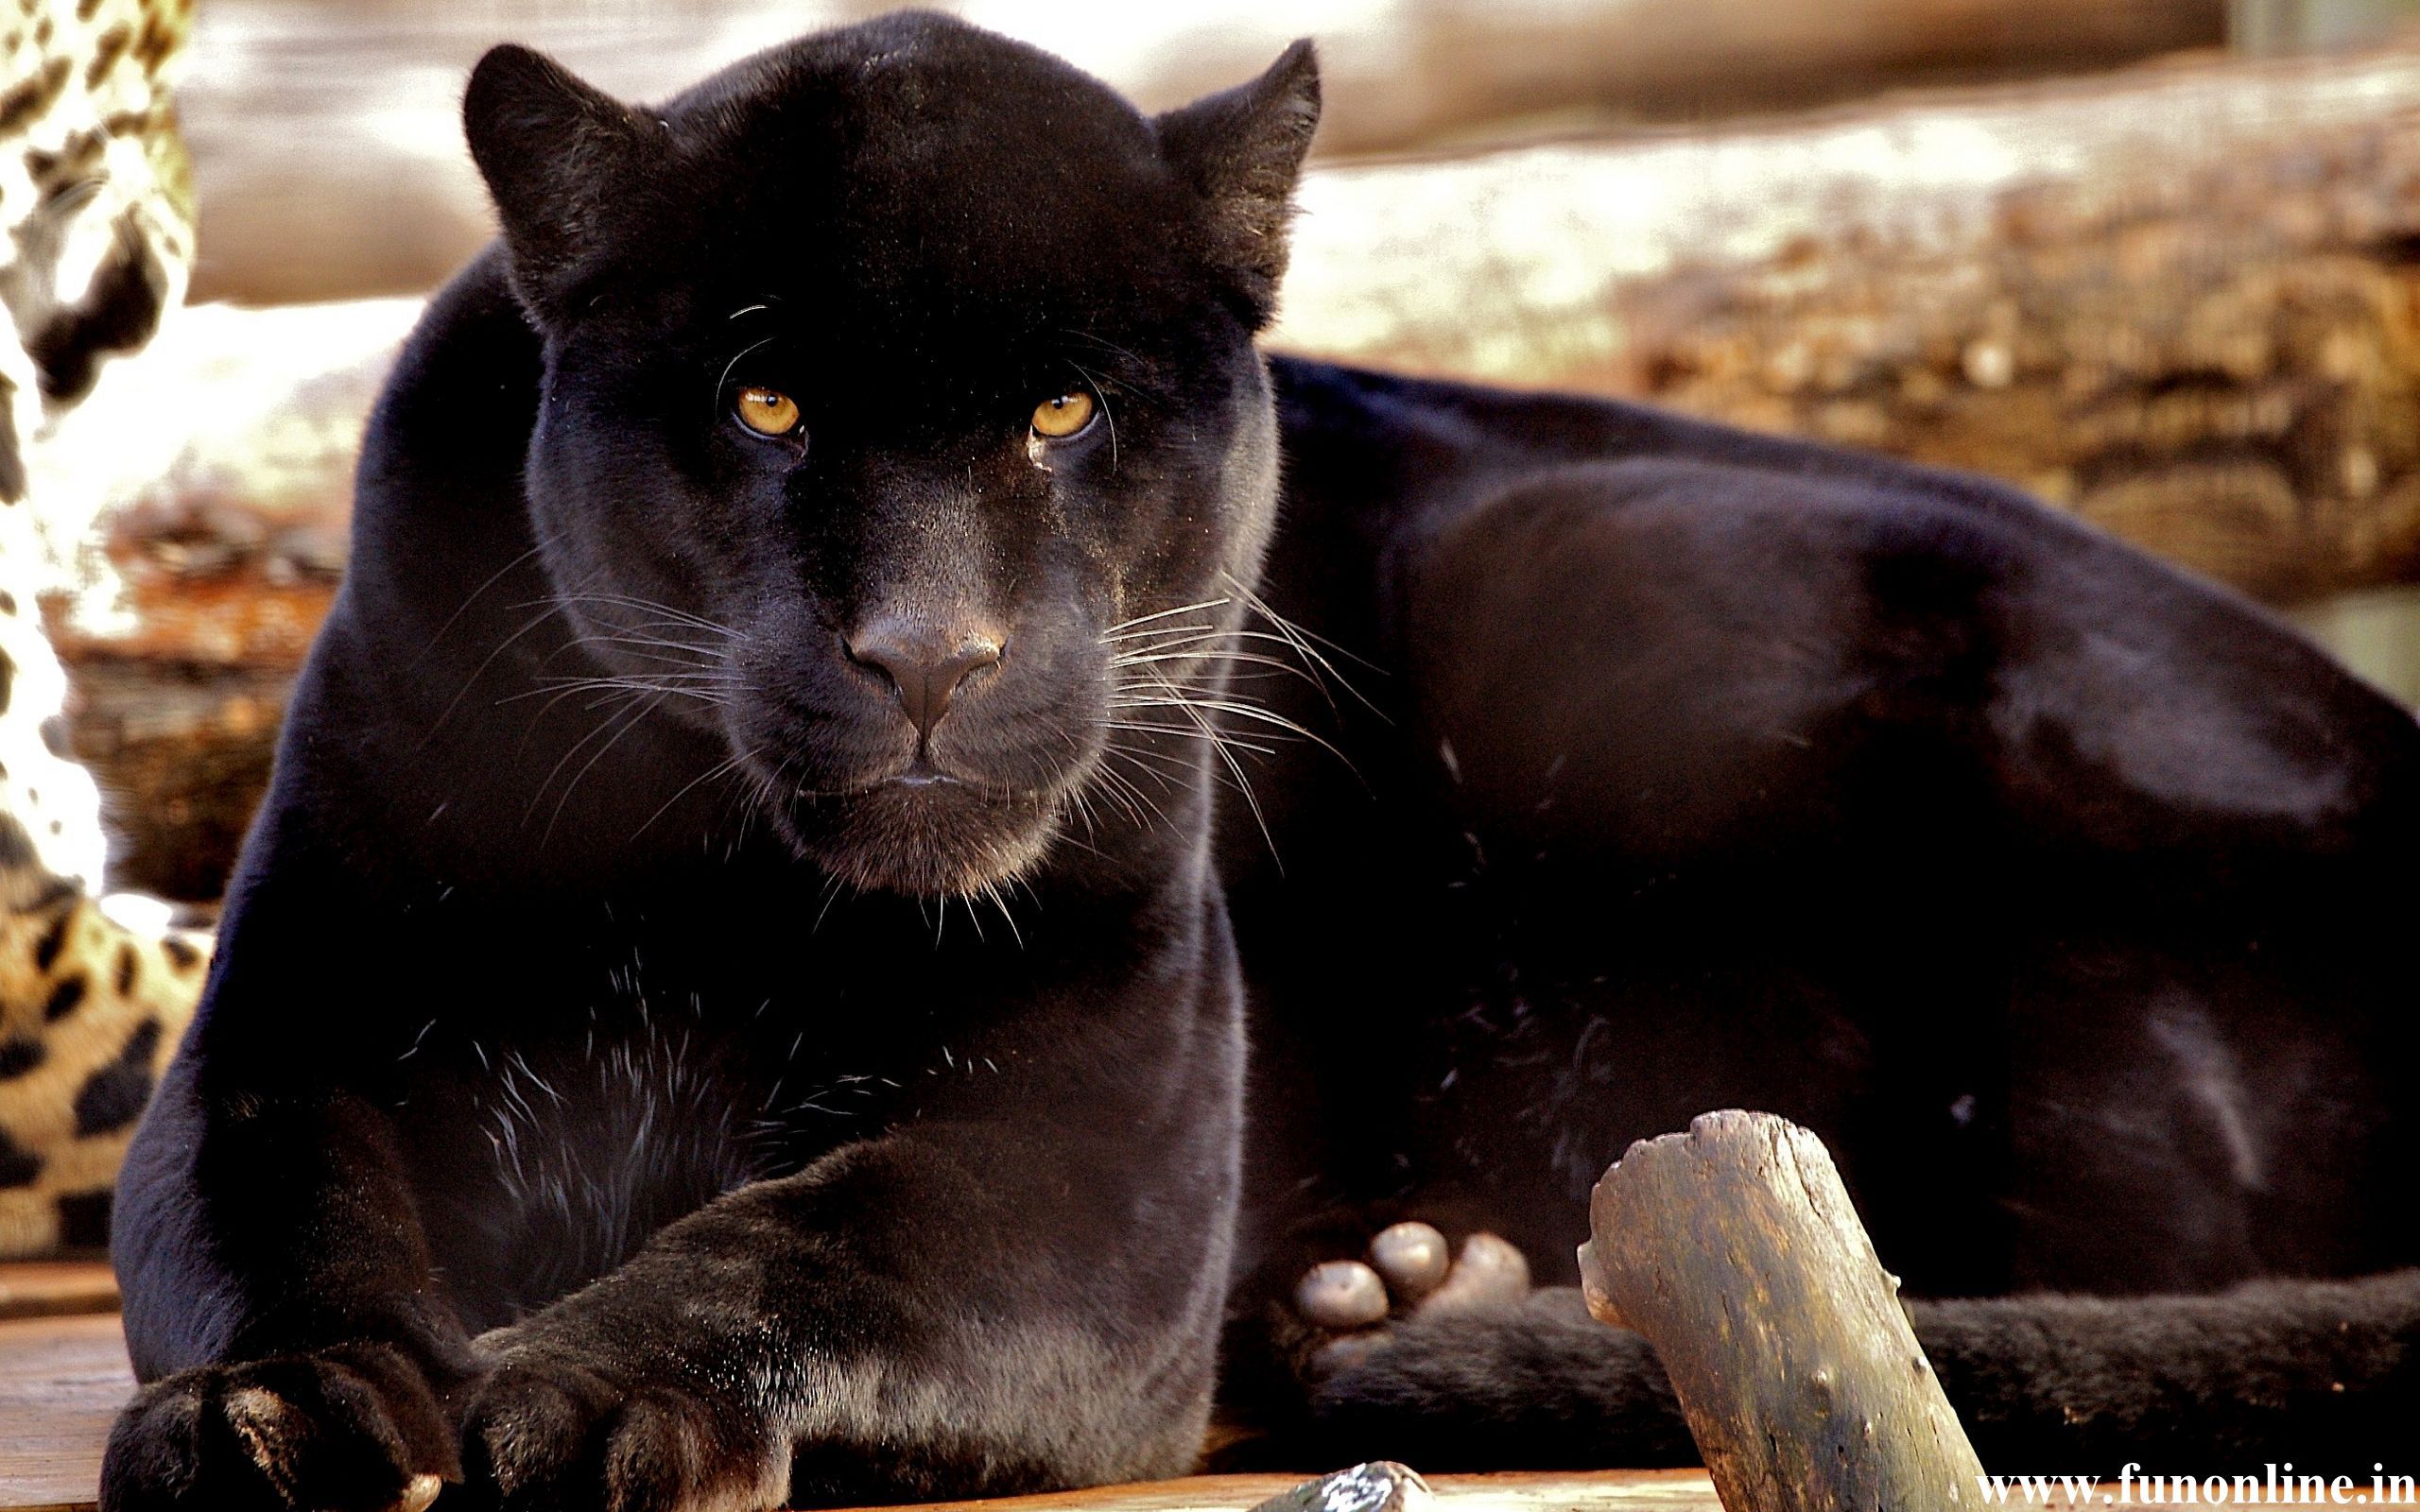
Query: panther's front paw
point(1407, 1273)
point(555, 1428)
point(355, 1429)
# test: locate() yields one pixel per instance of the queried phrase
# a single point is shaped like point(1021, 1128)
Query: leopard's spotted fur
point(97, 210)
point(90, 1011)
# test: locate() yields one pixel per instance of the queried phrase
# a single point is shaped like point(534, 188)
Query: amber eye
point(766, 411)
point(1058, 419)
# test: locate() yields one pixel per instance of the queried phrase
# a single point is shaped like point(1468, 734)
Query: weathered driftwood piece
point(1734, 1250)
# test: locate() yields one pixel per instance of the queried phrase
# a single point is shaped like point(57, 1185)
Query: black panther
point(893, 831)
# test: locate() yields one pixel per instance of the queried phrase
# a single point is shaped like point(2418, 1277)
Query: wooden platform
point(63, 1376)
point(62, 1380)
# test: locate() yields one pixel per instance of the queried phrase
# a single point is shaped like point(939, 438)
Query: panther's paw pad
point(1342, 1293)
point(1407, 1274)
point(1413, 1259)
point(1489, 1272)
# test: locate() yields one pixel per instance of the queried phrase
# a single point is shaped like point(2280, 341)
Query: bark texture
point(1735, 1252)
point(2184, 302)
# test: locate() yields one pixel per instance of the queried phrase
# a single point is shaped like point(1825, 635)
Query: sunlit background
point(331, 157)
point(2158, 260)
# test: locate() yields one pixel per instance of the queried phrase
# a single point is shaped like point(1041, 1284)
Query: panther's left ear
point(1242, 151)
point(564, 162)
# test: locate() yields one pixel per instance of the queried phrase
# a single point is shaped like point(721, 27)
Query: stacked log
point(225, 542)
point(386, 202)
point(2184, 302)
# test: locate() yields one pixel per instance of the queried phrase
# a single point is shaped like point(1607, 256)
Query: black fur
point(2315, 1374)
point(644, 1066)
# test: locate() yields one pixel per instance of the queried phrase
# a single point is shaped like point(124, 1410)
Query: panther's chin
point(922, 833)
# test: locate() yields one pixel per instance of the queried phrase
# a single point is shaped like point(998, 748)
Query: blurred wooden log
point(227, 533)
point(183, 755)
point(1694, 61)
point(329, 159)
point(1734, 1250)
point(2184, 302)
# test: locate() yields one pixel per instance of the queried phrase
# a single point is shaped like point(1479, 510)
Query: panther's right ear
point(1241, 151)
point(562, 160)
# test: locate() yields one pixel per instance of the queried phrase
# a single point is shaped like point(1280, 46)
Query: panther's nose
point(924, 661)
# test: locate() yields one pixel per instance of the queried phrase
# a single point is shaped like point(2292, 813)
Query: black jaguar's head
point(900, 397)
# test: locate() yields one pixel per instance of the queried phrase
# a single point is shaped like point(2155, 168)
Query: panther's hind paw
point(1406, 1272)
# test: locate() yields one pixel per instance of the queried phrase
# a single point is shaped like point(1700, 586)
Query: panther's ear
point(562, 160)
point(1242, 150)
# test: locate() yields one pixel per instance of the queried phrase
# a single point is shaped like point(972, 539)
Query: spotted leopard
point(97, 207)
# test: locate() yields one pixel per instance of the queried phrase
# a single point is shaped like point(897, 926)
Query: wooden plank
point(1561, 1491)
point(47, 1288)
point(62, 1380)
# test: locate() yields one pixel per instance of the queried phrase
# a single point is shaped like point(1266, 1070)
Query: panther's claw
point(419, 1493)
